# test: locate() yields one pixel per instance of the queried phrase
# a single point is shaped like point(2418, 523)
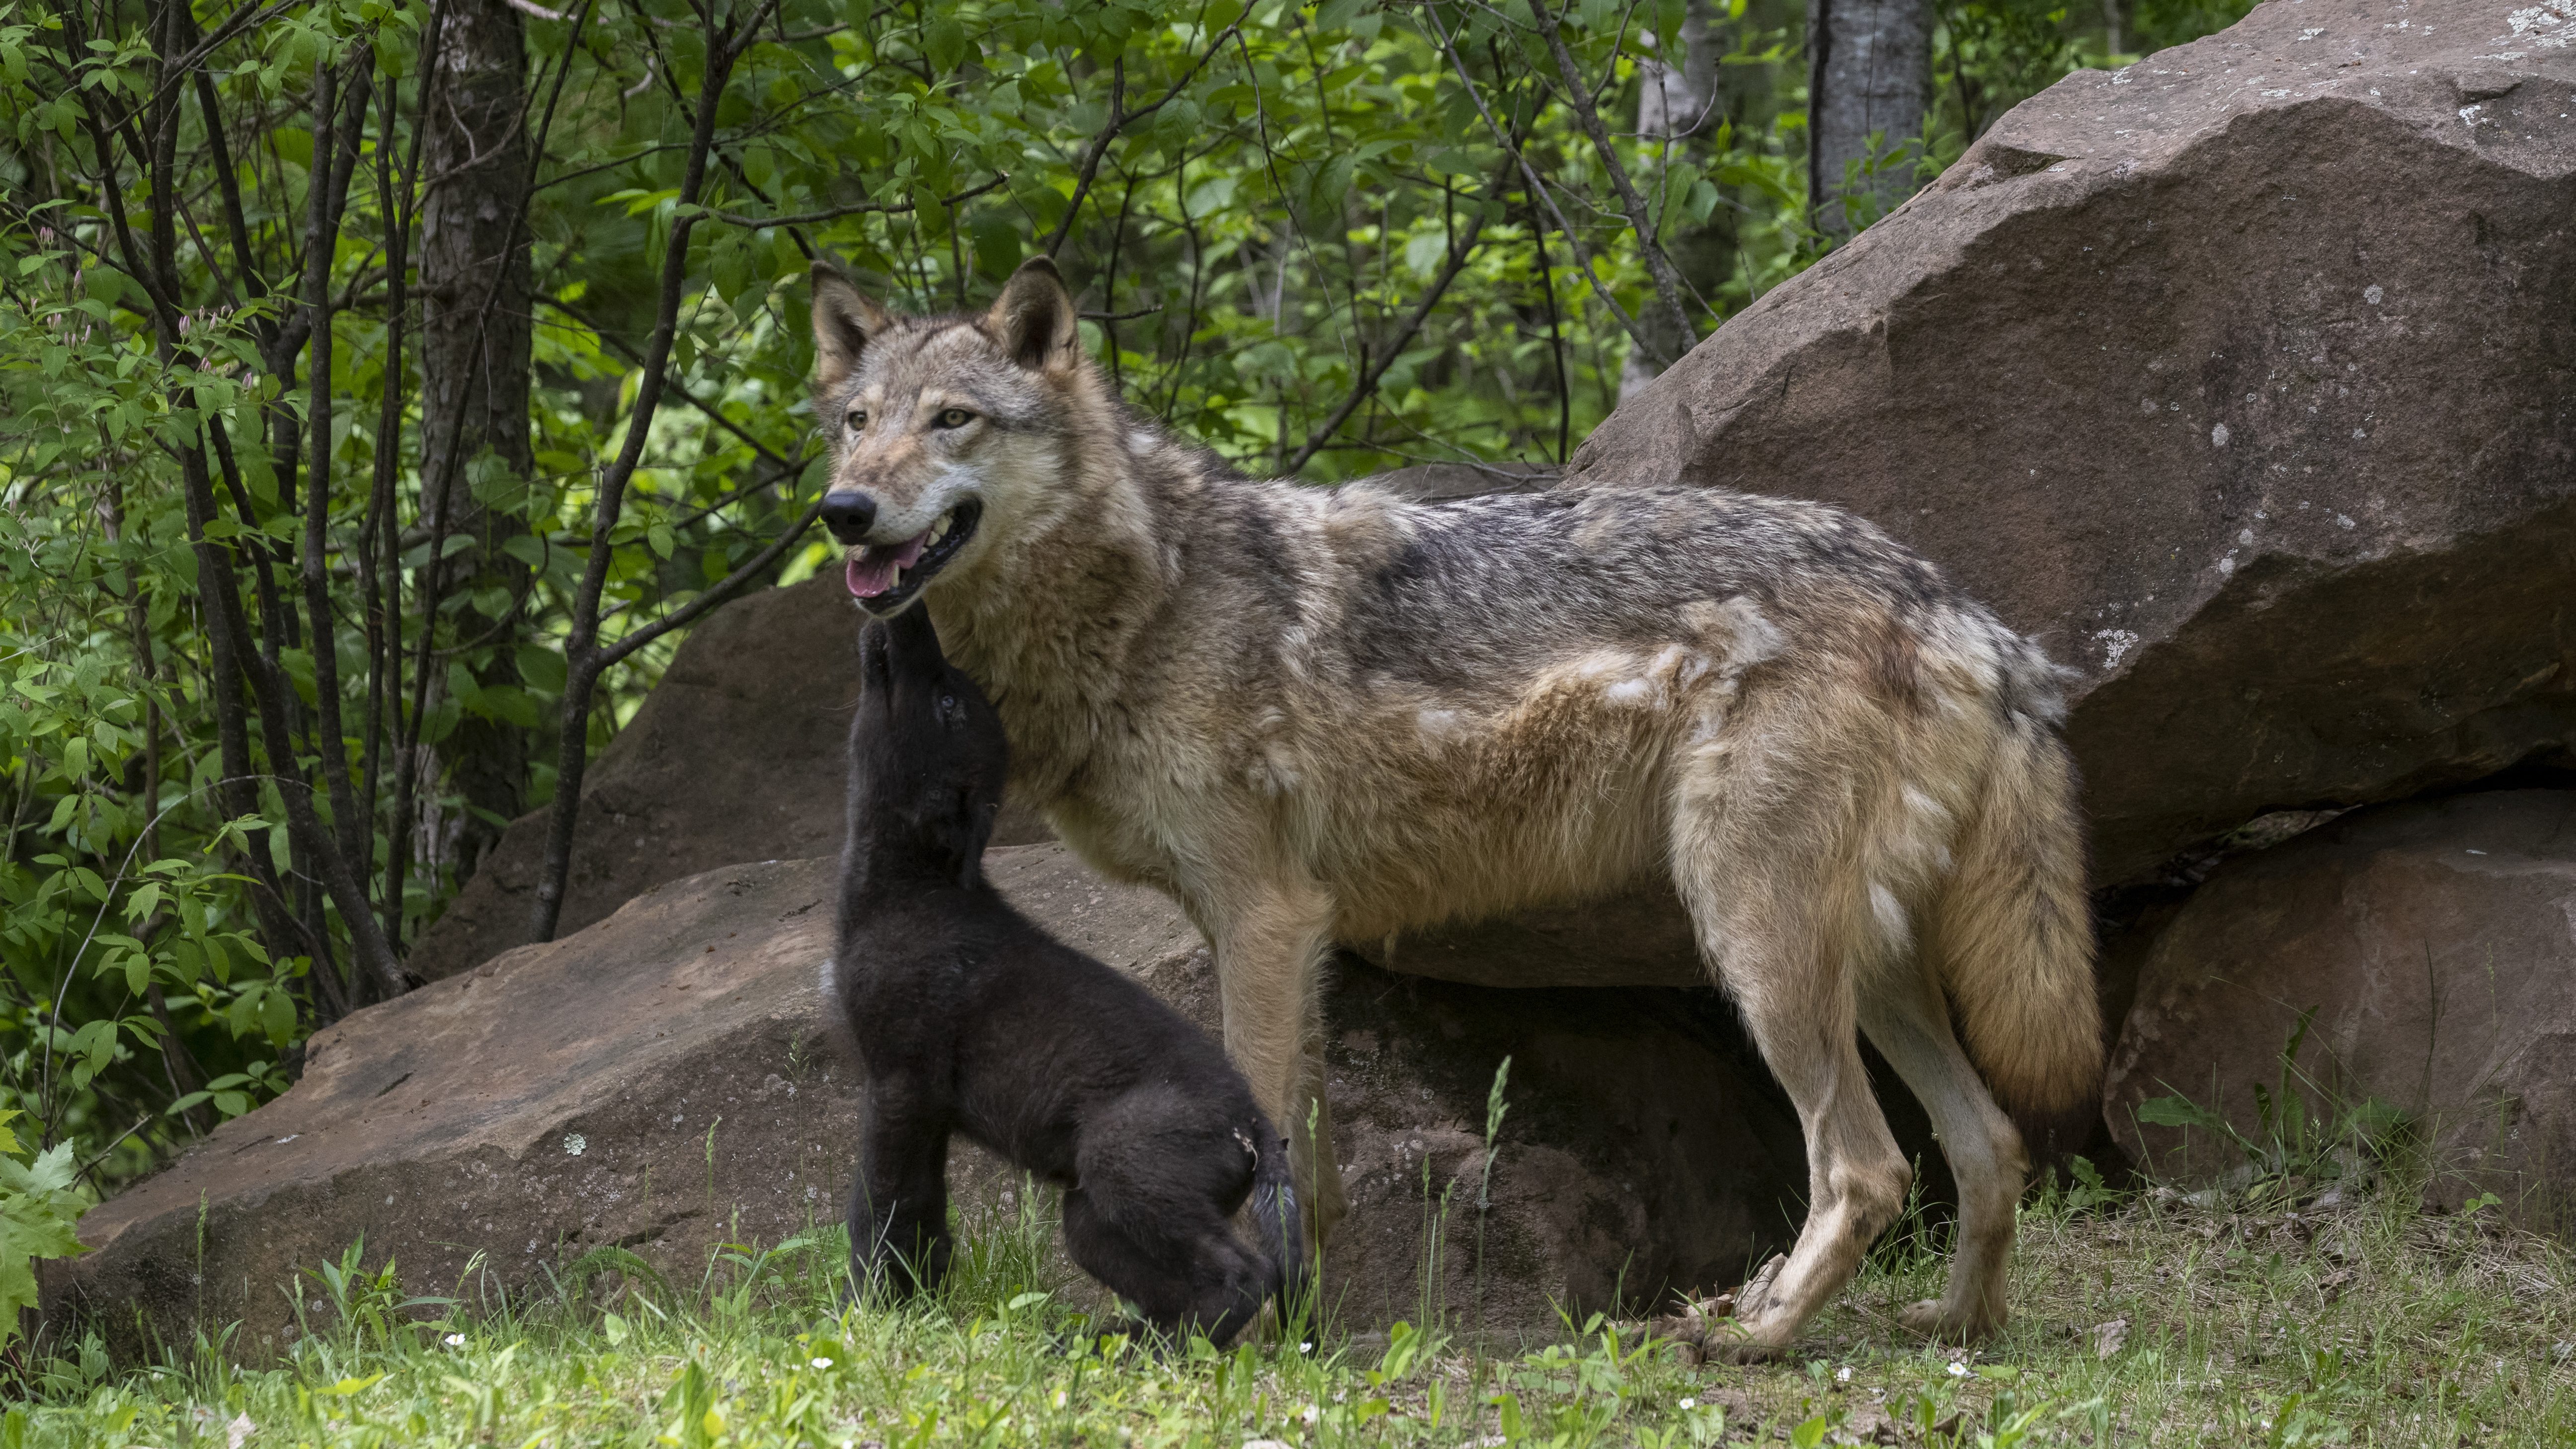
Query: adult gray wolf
point(1314, 715)
point(970, 1020)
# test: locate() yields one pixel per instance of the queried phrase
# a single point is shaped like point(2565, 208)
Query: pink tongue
point(871, 571)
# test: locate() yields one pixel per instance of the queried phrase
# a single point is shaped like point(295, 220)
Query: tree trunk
point(1682, 108)
point(1869, 72)
point(476, 320)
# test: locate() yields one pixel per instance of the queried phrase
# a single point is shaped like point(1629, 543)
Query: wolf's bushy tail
point(2014, 932)
point(1283, 1230)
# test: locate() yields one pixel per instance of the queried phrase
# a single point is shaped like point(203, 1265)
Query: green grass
point(2248, 1323)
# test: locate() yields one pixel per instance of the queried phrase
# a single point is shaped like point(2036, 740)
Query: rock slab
point(2244, 378)
point(2436, 943)
point(669, 1079)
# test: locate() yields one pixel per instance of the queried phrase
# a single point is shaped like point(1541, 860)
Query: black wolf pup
point(968, 1019)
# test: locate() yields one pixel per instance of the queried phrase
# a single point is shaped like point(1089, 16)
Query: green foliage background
point(1282, 188)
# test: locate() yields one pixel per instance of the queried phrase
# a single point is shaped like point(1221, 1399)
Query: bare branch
point(1119, 118)
point(1538, 189)
point(723, 589)
point(855, 208)
point(585, 660)
point(1366, 388)
point(1579, 95)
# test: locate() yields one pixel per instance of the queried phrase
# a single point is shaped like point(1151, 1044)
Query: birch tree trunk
point(1869, 72)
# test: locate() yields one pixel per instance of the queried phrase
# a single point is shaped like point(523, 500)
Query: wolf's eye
point(952, 418)
point(857, 418)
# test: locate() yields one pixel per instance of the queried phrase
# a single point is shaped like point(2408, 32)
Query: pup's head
point(941, 428)
point(928, 757)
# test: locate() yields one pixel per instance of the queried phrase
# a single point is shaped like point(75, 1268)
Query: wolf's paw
point(1757, 1332)
point(1736, 1341)
point(1934, 1320)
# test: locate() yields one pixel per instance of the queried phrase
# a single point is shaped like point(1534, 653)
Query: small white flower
point(1958, 1370)
point(1843, 1375)
point(1311, 1414)
point(822, 1363)
point(454, 1340)
point(1689, 1404)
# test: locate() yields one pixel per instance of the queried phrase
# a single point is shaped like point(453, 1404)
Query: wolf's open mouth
point(883, 577)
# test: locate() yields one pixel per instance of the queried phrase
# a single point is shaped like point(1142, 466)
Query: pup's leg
point(1909, 1021)
point(1270, 937)
point(899, 1202)
point(1785, 928)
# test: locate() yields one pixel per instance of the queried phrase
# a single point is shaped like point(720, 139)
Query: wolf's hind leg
point(1909, 1022)
point(1785, 938)
point(1270, 940)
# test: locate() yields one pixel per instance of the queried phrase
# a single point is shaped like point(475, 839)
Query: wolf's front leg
point(899, 1202)
point(1270, 938)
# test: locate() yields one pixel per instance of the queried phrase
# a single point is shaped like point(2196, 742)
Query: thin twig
point(804, 218)
point(1538, 188)
point(1659, 267)
point(1366, 388)
point(1119, 118)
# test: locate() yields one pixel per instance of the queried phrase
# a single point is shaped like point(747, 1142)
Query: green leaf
point(1335, 15)
point(277, 1017)
point(944, 43)
point(2176, 1112)
point(542, 668)
point(997, 245)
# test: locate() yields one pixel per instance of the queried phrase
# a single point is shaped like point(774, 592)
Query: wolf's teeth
point(939, 530)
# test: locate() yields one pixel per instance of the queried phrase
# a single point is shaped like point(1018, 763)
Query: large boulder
point(2435, 943)
point(2244, 377)
point(669, 1079)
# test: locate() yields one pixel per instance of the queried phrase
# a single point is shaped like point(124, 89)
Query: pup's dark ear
point(844, 320)
point(1034, 317)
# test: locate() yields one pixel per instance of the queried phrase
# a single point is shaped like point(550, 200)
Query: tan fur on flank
point(1316, 715)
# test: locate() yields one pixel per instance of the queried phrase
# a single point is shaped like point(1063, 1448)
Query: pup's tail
point(2014, 935)
point(1283, 1230)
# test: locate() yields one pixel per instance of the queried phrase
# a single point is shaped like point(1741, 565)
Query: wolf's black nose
point(849, 516)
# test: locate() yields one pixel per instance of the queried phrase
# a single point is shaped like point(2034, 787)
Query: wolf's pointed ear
point(1033, 319)
point(844, 319)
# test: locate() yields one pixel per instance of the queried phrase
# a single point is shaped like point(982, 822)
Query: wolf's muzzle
point(849, 516)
